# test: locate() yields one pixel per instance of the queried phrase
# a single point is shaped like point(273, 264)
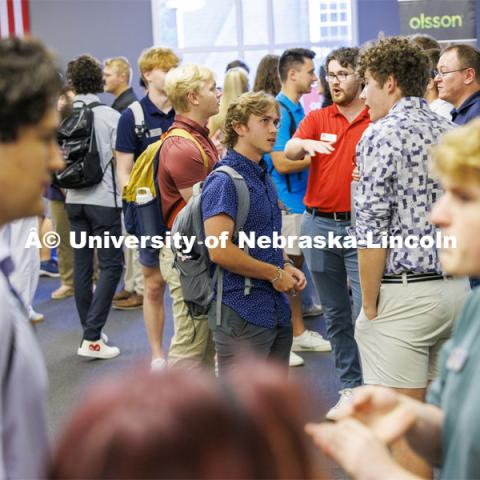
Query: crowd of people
point(393, 154)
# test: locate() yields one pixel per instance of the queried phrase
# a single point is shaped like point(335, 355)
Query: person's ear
point(470, 76)
point(193, 99)
point(240, 129)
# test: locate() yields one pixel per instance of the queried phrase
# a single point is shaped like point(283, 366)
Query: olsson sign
point(443, 19)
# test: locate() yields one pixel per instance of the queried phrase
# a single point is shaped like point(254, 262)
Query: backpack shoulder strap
point(293, 125)
point(180, 132)
point(243, 196)
point(139, 119)
point(243, 208)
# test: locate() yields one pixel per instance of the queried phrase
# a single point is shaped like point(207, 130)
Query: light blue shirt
point(292, 187)
point(23, 426)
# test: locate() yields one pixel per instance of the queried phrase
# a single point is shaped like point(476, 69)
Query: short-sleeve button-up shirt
point(396, 192)
point(264, 306)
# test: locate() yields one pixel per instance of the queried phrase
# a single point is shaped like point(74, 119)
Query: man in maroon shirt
point(193, 93)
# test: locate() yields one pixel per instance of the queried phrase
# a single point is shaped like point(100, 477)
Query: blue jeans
point(330, 268)
point(309, 294)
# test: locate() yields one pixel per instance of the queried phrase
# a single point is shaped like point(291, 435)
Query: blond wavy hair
point(234, 84)
point(185, 79)
point(457, 155)
point(239, 111)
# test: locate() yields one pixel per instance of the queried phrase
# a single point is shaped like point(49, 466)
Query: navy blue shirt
point(155, 120)
point(264, 306)
point(468, 110)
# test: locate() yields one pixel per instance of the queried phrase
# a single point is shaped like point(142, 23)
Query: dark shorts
point(149, 257)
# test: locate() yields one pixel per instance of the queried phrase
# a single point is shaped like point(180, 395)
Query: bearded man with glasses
point(330, 137)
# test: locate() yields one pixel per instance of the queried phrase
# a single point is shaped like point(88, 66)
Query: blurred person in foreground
point(443, 431)
point(29, 153)
point(187, 424)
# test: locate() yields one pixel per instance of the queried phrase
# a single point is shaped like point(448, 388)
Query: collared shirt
point(264, 306)
point(456, 392)
point(181, 165)
point(468, 110)
point(291, 187)
point(155, 120)
point(105, 124)
point(396, 191)
point(442, 108)
point(23, 426)
point(124, 100)
point(330, 175)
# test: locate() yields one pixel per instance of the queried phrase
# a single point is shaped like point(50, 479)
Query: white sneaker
point(310, 341)
point(346, 398)
point(158, 364)
point(314, 311)
point(34, 316)
point(295, 360)
point(97, 349)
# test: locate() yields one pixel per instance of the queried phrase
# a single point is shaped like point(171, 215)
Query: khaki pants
point(192, 340)
point(133, 271)
point(64, 250)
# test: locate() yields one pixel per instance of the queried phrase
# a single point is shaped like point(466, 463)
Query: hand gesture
point(312, 147)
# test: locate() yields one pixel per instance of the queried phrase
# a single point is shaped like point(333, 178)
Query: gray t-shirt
point(105, 124)
point(23, 426)
point(457, 393)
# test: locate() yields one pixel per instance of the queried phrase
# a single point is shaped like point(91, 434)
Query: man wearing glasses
point(458, 81)
point(330, 137)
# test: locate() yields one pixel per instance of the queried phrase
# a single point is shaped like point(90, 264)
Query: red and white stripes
point(14, 18)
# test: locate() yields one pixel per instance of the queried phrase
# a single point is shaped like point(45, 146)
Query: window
point(214, 32)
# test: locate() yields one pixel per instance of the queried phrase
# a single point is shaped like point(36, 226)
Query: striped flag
point(14, 18)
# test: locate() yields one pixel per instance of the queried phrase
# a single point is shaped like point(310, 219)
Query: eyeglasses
point(340, 76)
point(442, 74)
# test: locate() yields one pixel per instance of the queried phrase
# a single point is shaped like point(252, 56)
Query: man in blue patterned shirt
point(260, 320)
point(408, 305)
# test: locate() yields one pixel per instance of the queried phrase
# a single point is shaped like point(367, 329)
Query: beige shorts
point(291, 228)
point(399, 348)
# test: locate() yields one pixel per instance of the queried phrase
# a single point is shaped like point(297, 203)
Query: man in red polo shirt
point(330, 136)
point(193, 93)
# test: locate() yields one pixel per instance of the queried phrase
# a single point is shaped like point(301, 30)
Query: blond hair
point(157, 57)
point(239, 111)
point(120, 65)
point(457, 155)
point(181, 81)
point(234, 84)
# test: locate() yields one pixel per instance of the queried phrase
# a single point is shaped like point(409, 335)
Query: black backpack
point(76, 137)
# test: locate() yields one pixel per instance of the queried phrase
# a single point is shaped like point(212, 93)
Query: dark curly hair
point(29, 84)
point(85, 75)
point(267, 78)
point(397, 56)
point(345, 56)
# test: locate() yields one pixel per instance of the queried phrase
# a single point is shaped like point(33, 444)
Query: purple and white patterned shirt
point(396, 191)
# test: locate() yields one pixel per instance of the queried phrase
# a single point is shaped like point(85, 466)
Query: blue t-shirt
point(291, 187)
point(468, 110)
point(156, 121)
point(264, 306)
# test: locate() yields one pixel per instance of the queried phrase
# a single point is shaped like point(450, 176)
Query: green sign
point(443, 19)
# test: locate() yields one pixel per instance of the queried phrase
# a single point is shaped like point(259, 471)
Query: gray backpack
point(194, 266)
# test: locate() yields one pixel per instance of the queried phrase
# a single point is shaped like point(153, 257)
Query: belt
point(337, 216)
point(413, 277)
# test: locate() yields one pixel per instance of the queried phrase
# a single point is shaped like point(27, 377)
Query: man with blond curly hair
point(408, 305)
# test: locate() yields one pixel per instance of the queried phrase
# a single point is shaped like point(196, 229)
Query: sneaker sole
point(304, 349)
point(96, 355)
point(296, 365)
point(44, 273)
